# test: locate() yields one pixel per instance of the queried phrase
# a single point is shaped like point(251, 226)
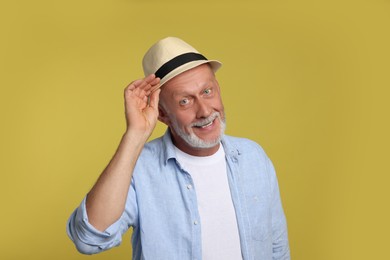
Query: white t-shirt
point(220, 237)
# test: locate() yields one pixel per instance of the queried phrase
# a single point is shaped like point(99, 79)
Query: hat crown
point(164, 51)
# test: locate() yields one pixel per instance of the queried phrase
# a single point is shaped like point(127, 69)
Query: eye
point(184, 101)
point(207, 91)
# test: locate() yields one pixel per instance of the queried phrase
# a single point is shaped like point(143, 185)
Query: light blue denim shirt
point(162, 209)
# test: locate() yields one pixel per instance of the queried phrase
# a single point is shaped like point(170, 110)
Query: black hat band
point(177, 62)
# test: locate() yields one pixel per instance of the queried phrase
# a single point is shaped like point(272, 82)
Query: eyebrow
point(207, 85)
point(181, 94)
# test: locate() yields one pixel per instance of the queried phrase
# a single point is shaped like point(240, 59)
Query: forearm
point(106, 201)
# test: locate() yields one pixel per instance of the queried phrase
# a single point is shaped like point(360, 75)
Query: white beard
point(193, 140)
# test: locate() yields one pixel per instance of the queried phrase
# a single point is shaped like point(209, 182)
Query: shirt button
point(189, 186)
point(195, 222)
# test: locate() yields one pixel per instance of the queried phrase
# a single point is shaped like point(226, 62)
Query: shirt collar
point(230, 149)
point(169, 148)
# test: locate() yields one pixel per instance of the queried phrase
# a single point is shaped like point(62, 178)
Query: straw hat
point(171, 56)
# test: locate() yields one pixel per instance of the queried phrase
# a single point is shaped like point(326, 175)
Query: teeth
point(209, 124)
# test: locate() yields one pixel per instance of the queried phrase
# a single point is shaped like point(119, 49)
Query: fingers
point(154, 98)
point(145, 85)
point(146, 82)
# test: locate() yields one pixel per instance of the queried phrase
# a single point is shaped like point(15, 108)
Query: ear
point(163, 115)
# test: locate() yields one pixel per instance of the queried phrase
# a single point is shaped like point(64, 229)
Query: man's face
point(191, 105)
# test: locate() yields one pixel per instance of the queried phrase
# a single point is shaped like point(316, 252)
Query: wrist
point(135, 137)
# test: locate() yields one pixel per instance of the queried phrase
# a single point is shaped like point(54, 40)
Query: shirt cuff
point(87, 238)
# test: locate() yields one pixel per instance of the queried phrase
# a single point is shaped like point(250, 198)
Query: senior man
point(193, 193)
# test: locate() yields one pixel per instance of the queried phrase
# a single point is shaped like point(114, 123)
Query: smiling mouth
point(209, 124)
point(206, 125)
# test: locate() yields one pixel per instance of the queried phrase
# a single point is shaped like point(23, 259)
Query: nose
point(203, 109)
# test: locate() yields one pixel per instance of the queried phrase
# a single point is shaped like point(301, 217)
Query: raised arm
point(105, 202)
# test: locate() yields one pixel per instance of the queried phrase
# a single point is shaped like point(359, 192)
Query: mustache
point(207, 120)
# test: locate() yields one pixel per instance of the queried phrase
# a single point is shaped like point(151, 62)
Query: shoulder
point(155, 144)
point(242, 145)
point(157, 152)
point(152, 150)
point(150, 160)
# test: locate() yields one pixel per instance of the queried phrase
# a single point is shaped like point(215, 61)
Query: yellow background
point(308, 80)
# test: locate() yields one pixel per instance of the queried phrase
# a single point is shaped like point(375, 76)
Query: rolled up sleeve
point(88, 239)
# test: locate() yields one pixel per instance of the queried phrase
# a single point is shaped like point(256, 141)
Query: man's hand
point(141, 105)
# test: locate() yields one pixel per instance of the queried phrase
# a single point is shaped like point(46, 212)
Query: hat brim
point(215, 65)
